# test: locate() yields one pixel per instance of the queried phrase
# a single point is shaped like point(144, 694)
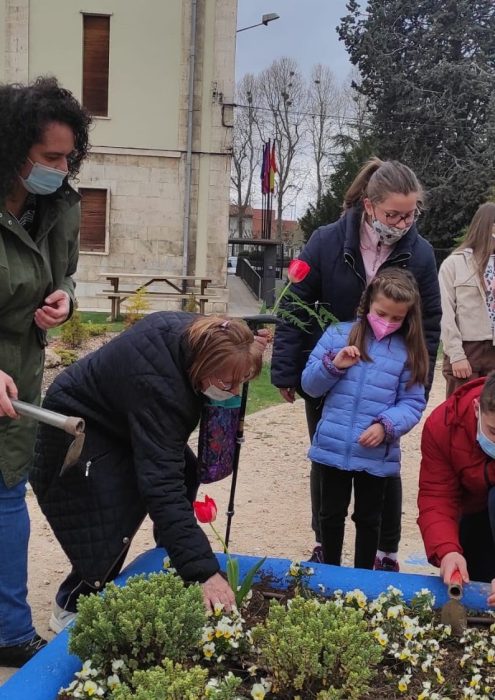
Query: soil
point(272, 515)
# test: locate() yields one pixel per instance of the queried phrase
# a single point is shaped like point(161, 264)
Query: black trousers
point(477, 537)
point(335, 496)
point(73, 585)
point(392, 509)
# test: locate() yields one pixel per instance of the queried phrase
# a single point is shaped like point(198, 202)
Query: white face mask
point(43, 179)
point(216, 394)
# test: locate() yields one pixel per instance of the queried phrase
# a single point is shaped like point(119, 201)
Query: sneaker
point(17, 655)
point(386, 564)
point(317, 555)
point(60, 618)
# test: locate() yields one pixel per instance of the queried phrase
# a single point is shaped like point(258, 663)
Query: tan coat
point(464, 311)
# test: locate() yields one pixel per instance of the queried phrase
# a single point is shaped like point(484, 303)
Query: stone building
point(158, 76)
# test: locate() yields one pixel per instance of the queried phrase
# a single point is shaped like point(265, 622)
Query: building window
point(94, 220)
point(96, 48)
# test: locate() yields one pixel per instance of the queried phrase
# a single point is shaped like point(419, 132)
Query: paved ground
point(241, 300)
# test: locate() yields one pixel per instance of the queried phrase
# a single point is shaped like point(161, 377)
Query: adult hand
point(8, 390)
point(461, 369)
point(491, 597)
point(262, 338)
point(452, 562)
point(288, 394)
point(54, 311)
point(347, 357)
point(372, 436)
point(217, 590)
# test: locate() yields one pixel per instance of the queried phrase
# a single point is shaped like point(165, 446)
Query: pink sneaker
point(386, 564)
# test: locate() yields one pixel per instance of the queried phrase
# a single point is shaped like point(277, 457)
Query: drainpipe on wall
point(190, 104)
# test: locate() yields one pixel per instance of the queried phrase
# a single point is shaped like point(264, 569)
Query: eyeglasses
point(227, 386)
point(394, 217)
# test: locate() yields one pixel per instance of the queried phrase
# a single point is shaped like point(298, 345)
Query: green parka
point(30, 269)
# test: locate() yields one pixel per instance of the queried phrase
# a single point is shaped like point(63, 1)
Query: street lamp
point(270, 17)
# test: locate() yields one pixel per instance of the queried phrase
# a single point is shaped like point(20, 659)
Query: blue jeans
point(16, 625)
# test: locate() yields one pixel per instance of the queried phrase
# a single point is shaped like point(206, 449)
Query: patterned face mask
point(388, 235)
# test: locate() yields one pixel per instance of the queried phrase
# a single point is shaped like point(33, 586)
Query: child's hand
point(346, 357)
point(372, 436)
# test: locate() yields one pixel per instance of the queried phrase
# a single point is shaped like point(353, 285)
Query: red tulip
point(205, 511)
point(298, 270)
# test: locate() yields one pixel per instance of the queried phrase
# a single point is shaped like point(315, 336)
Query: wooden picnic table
point(178, 284)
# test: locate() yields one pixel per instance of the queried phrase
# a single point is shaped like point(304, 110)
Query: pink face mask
point(382, 328)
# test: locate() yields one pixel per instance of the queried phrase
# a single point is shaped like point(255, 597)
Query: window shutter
point(93, 219)
point(96, 47)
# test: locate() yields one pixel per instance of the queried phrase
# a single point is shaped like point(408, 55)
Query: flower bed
point(419, 659)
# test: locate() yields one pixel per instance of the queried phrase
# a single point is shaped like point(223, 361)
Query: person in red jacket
point(456, 499)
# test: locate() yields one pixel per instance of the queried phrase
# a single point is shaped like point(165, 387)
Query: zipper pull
point(88, 464)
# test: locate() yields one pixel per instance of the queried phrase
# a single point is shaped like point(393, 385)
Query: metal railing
point(247, 273)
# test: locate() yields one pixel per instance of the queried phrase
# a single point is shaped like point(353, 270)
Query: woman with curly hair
point(43, 141)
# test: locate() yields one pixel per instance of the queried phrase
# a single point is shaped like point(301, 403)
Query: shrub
point(136, 307)
point(191, 304)
point(145, 621)
point(309, 642)
point(169, 682)
point(95, 329)
point(73, 333)
point(67, 357)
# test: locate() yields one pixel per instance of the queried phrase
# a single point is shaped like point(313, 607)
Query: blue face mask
point(42, 179)
point(485, 443)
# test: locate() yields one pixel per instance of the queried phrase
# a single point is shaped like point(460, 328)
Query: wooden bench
point(176, 283)
point(118, 297)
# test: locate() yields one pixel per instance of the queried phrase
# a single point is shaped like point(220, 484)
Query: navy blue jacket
point(140, 409)
point(337, 279)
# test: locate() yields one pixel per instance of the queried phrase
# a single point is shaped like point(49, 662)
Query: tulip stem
point(220, 539)
point(280, 297)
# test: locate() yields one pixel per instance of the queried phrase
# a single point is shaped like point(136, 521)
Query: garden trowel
point(453, 612)
point(72, 425)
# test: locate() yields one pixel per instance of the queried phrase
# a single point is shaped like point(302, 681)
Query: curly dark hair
point(25, 110)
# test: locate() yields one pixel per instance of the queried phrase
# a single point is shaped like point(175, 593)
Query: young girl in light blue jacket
point(372, 374)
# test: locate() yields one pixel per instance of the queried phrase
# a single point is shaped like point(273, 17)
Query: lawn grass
point(262, 393)
point(98, 318)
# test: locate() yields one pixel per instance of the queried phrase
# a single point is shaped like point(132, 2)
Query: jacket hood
point(460, 404)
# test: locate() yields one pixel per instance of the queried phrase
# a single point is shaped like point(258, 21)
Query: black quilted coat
point(140, 409)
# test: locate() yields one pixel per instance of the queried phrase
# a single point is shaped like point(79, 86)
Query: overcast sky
point(305, 31)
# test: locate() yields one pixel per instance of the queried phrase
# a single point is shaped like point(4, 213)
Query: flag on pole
point(273, 168)
point(265, 169)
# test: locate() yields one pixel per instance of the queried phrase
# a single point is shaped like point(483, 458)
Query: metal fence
point(250, 276)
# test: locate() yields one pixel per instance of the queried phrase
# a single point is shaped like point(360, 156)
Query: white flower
point(209, 650)
point(117, 664)
point(258, 691)
point(113, 681)
point(91, 688)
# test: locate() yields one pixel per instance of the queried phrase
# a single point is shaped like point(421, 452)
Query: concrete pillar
point(16, 33)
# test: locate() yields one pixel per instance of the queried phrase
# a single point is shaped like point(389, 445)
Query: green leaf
point(248, 582)
point(233, 573)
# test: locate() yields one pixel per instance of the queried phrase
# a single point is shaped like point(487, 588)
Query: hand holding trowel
point(72, 425)
point(453, 612)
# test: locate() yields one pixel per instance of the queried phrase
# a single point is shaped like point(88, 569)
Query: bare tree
point(326, 107)
point(246, 145)
point(284, 98)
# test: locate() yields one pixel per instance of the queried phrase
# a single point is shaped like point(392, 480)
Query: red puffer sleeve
point(439, 497)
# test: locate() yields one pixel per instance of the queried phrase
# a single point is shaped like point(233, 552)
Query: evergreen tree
point(428, 73)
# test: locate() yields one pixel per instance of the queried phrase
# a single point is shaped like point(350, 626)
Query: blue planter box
point(53, 667)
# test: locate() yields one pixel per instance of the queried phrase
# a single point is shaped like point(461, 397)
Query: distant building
point(292, 236)
point(129, 63)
